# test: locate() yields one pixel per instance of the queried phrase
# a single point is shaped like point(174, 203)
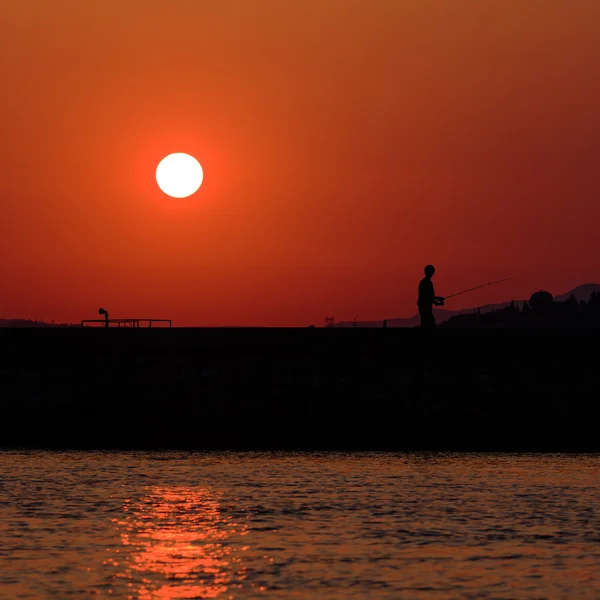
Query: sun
point(179, 175)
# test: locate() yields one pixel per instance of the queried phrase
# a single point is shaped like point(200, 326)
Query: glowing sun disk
point(179, 175)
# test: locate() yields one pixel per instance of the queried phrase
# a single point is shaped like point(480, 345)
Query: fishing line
point(477, 287)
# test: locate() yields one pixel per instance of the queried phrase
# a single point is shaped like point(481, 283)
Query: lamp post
point(104, 312)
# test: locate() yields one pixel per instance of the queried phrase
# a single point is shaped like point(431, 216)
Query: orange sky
point(344, 143)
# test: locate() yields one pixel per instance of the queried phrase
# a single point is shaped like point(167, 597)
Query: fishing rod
point(477, 287)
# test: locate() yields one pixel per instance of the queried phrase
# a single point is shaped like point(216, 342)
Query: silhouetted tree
point(540, 302)
point(540, 311)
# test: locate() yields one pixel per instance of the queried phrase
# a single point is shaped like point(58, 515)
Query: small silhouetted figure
point(427, 298)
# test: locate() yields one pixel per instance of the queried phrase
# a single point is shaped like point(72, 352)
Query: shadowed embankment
point(314, 388)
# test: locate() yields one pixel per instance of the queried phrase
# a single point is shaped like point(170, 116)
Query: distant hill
point(581, 292)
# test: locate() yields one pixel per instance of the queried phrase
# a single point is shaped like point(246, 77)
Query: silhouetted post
point(101, 311)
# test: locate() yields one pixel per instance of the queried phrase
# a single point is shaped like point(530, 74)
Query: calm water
point(169, 525)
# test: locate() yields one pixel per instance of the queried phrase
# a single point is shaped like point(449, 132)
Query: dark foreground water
point(171, 525)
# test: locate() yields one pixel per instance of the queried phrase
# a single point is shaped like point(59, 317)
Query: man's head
point(429, 271)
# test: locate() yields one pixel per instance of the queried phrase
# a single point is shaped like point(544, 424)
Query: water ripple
point(170, 525)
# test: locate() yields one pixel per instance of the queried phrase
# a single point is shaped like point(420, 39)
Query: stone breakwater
point(304, 389)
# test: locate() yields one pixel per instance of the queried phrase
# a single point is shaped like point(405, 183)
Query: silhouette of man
point(427, 299)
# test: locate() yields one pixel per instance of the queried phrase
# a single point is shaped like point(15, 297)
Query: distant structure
point(121, 322)
point(102, 311)
point(328, 321)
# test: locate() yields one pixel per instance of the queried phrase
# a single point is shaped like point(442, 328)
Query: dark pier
point(305, 389)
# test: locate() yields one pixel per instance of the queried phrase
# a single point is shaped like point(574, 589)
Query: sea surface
point(159, 525)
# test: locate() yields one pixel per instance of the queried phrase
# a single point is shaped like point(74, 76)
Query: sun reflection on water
point(179, 543)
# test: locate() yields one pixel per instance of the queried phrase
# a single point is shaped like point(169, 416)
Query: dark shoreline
point(300, 389)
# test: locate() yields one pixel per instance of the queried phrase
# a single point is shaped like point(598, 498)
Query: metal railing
point(123, 322)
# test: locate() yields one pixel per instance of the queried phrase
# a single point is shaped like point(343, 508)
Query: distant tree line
point(540, 311)
point(31, 323)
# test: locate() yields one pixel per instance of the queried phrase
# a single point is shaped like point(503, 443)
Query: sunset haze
point(345, 144)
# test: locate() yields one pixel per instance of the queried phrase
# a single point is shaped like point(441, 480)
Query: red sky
point(345, 144)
